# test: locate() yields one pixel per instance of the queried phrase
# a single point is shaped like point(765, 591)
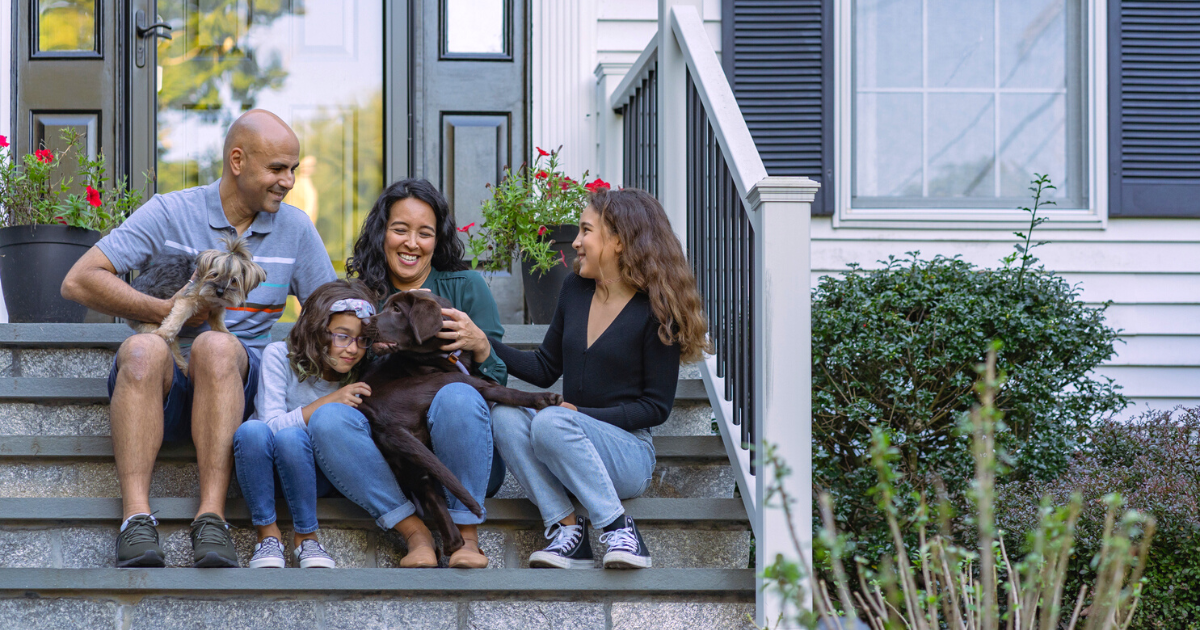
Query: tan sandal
point(421, 554)
point(469, 557)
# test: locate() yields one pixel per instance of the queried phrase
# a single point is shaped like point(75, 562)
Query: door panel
point(469, 108)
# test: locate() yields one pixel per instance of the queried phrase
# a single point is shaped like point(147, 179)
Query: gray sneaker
point(212, 546)
point(268, 554)
point(138, 545)
point(312, 555)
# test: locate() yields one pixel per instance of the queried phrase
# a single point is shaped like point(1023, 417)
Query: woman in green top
point(409, 241)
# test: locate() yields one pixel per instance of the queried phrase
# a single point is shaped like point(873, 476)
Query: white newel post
point(610, 132)
point(782, 343)
point(672, 118)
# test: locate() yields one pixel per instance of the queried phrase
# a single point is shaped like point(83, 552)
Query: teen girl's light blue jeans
point(261, 458)
point(460, 428)
point(556, 449)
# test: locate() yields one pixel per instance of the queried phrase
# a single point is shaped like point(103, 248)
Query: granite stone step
point(54, 419)
point(79, 533)
point(112, 599)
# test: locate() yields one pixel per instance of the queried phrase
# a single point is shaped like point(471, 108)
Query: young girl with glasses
point(318, 364)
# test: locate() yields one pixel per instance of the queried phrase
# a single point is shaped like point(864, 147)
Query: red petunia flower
point(567, 184)
point(60, 219)
point(542, 175)
point(467, 227)
point(542, 152)
point(542, 230)
point(93, 197)
point(3, 141)
point(563, 255)
point(597, 185)
point(44, 156)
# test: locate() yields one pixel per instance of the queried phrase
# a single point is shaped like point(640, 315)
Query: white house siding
point(570, 38)
point(1148, 268)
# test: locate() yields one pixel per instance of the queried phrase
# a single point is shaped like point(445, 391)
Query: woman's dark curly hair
point(308, 343)
point(369, 262)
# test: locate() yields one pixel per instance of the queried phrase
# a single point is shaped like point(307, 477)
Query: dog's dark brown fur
point(403, 385)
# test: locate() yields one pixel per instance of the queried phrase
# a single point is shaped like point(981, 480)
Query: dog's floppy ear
point(254, 275)
point(205, 261)
point(425, 318)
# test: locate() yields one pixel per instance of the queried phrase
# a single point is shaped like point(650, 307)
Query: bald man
point(151, 399)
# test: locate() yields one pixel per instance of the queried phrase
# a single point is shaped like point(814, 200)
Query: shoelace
point(565, 538)
point(141, 529)
point(211, 533)
point(620, 540)
point(315, 549)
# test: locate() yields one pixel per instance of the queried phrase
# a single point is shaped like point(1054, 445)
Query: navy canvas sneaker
point(570, 547)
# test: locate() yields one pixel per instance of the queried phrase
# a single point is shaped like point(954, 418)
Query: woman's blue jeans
point(557, 449)
point(460, 427)
point(261, 458)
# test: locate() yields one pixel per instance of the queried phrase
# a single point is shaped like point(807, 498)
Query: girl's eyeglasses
point(343, 341)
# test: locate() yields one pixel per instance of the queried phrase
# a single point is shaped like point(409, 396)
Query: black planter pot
point(34, 259)
point(541, 289)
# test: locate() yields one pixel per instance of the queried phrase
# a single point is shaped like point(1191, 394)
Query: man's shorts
point(177, 407)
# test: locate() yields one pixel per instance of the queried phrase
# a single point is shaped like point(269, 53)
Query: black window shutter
point(778, 55)
point(1154, 108)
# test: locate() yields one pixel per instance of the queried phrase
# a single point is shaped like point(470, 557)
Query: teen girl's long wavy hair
point(308, 343)
point(369, 262)
point(652, 261)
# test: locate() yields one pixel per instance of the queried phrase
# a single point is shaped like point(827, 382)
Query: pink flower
point(542, 175)
point(466, 227)
point(563, 255)
point(542, 152)
point(597, 185)
point(3, 141)
point(541, 230)
point(93, 197)
point(44, 156)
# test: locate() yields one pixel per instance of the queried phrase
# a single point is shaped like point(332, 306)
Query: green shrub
point(895, 349)
point(1153, 462)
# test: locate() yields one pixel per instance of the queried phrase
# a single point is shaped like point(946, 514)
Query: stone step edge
point(95, 390)
point(672, 450)
point(705, 513)
point(454, 582)
point(110, 336)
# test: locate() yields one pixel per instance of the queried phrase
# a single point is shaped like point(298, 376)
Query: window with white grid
point(957, 103)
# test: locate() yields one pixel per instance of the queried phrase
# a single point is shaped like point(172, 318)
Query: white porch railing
point(747, 236)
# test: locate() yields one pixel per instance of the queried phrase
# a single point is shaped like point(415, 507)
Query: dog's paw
point(547, 399)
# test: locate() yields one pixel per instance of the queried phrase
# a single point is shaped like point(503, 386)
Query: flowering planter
point(541, 289)
point(34, 259)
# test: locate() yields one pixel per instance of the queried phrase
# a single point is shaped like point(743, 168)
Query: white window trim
point(1096, 85)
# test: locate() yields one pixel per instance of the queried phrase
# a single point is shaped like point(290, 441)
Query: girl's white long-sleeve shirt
point(282, 396)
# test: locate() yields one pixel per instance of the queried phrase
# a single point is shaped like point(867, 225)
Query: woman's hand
point(462, 334)
point(568, 406)
point(351, 394)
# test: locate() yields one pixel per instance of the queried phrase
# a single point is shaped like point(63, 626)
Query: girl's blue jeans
point(261, 458)
point(460, 427)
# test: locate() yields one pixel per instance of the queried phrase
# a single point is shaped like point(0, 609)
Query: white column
point(672, 118)
point(563, 53)
point(782, 344)
point(610, 132)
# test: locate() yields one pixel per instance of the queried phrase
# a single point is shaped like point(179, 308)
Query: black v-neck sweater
point(627, 378)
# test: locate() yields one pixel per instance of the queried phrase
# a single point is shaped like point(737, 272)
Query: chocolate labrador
point(403, 383)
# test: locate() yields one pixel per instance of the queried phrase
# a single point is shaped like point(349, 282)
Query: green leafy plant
point(894, 349)
point(38, 189)
point(524, 206)
point(942, 583)
point(1024, 250)
point(1153, 461)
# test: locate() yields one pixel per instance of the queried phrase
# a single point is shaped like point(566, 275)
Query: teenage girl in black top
point(623, 322)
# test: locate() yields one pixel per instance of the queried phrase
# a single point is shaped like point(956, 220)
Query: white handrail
point(741, 155)
point(633, 78)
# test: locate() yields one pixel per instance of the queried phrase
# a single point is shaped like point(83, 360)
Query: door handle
point(146, 31)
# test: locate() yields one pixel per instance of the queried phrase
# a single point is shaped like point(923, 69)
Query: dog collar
point(453, 358)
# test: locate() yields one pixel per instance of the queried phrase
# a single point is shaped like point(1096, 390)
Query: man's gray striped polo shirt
point(285, 244)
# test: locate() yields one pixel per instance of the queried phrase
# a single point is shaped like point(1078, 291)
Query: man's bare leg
point(218, 366)
point(145, 372)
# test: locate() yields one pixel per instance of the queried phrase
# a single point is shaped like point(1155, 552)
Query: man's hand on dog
point(200, 317)
point(463, 334)
point(351, 394)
